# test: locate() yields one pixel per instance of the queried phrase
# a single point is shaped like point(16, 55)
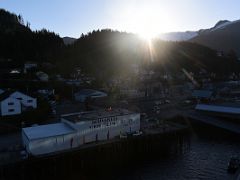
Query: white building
point(15, 102)
point(83, 94)
point(25, 100)
point(79, 128)
point(47, 138)
point(10, 106)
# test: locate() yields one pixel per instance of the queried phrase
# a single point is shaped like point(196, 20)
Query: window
point(10, 103)
point(11, 110)
point(29, 101)
point(19, 98)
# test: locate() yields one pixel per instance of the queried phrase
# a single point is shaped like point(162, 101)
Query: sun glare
point(147, 35)
point(146, 20)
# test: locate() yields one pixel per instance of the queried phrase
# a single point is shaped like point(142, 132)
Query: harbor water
point(203, 153)
point(206, 157)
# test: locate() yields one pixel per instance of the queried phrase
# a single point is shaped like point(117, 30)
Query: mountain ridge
point(223, 36)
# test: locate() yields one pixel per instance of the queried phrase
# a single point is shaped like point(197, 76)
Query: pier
point(100, 156)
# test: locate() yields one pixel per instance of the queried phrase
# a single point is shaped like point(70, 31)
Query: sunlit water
point(204, 159)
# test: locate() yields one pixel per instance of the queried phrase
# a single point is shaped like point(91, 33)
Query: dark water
point(205, 158)
point(202, 155)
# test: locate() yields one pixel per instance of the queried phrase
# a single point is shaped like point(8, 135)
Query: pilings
point(98, 160)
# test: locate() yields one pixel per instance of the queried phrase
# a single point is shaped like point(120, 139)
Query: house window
point(29, 101)
point(19, 98)
point(10, 103)
point(11, 110)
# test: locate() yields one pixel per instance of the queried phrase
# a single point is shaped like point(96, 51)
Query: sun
point(146, 20)
point(147, 35)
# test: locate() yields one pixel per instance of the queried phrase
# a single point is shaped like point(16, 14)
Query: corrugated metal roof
point(219, 109)
point(202, 93)
point(93, 115)
point(49, 130)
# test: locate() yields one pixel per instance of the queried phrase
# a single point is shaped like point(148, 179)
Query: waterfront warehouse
point(80, 128)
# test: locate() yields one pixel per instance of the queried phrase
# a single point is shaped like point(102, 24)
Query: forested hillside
point(19, 43)
point(105, 53)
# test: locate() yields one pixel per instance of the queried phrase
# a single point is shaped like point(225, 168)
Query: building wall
point(106, 129)
point(87, 132)
point(52, 144)
point(10, 106)
point(25, 100)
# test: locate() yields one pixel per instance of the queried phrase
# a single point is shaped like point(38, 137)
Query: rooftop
point(202, 93)
point(88, 91)
point(218, 108)
point(49, 130)
point(91, 115)
point(5, 94)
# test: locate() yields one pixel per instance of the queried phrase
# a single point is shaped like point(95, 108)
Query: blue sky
point(73, 17)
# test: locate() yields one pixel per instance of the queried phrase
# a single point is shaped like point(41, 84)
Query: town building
point(9, 105)
point(29, 66)
point(219, 110)
point(26, 101)
point(15, 102)
point(202, 94)
point(42, 76)
point(83, 94)
point(77, 129)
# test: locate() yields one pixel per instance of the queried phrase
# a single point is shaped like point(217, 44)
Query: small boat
point(233, 164)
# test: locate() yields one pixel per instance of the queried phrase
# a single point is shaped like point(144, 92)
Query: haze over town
point(119, 89)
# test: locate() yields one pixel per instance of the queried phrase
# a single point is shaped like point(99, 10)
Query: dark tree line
point(105, 53)
point(108, 53)
point(19, 43)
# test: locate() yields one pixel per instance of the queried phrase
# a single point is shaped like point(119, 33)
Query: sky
point(74, 17)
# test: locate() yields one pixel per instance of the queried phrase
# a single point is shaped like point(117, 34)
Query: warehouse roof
point(93, 115)
point(219, 109)
point(45, 131)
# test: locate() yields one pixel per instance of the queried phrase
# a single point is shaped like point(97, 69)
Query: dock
point(154, 142)
point(214, 121)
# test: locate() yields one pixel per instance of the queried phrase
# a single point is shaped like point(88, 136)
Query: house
point(25, 100)
point(15, 102)
point(29, 65)
point(9, 105)
point(80, 128)
point(83, 94)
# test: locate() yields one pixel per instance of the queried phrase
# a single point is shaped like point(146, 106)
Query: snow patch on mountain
point(178, 36)
point(223, 24)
